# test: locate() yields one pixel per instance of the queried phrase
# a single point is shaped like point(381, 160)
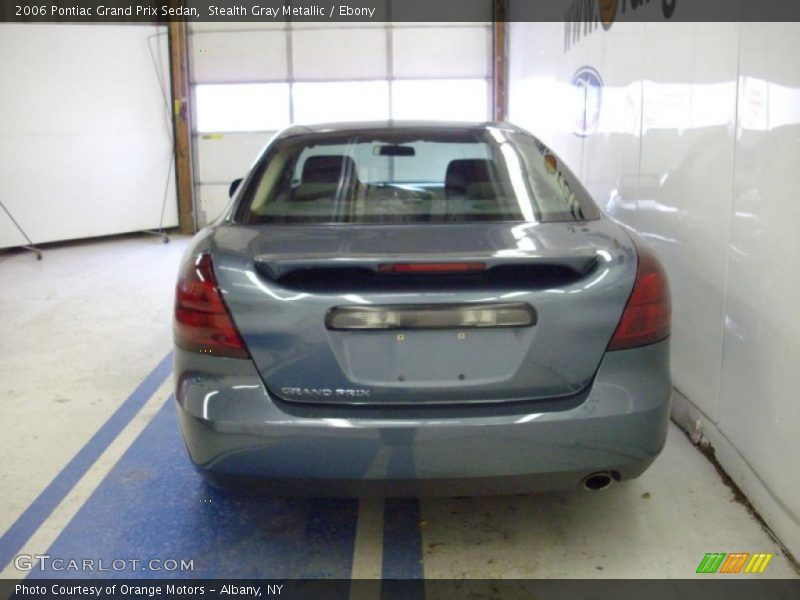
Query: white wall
point(85, 143)
point(327, 72)
point(698, 146)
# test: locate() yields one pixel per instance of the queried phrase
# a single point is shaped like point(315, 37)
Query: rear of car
point(419, 308)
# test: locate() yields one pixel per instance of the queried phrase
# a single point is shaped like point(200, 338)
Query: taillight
point(202, 321)
point(646, 318)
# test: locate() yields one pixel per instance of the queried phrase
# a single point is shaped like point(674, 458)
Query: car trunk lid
point(433, 314)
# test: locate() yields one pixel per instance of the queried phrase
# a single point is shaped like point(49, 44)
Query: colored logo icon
point(734, 563)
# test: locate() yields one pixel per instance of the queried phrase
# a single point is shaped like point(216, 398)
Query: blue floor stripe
point(153, 505)
point(30, 520)
point(402, 539)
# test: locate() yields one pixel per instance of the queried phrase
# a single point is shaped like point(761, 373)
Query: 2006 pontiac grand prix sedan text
point(415, 308)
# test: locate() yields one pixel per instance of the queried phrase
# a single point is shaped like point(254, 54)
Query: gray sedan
point(419, 308)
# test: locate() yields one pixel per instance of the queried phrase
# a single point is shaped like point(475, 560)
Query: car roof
point(360, 126)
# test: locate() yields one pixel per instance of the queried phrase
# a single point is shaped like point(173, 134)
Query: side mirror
point(234, 186)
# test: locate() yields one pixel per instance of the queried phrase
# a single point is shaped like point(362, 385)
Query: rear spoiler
point(280, 265)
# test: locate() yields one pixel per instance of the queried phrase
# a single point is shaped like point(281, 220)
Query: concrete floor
point(94, 466)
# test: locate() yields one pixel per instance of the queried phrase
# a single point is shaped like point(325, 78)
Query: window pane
point(440, 99)
point(341, 101)
point(245, 107)
point(412, 175)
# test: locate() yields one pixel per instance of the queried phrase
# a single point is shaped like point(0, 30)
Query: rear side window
point(412, 176)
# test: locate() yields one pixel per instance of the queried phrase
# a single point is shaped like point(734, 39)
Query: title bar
point(588, 12)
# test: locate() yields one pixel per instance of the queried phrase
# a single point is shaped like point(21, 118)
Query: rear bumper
point(234, 431)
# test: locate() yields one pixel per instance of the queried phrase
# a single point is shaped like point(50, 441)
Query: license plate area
point(432, 358)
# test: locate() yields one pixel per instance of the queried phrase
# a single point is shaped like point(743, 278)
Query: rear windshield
point(412, 176)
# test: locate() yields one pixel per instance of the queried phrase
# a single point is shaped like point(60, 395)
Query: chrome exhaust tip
point(597, 481)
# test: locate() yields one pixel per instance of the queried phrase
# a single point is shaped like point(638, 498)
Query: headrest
point(463, 173)
point(328, 169)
